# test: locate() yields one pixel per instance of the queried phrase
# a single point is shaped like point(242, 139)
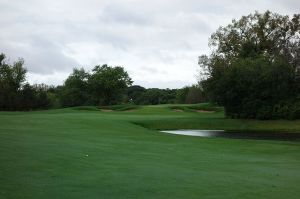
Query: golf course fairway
point(84, 152)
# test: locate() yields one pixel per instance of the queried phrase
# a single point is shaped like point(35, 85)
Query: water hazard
point(257, 135)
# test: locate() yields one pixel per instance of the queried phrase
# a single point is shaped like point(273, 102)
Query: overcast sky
point(157, 41)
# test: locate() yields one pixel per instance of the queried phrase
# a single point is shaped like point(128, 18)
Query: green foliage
point(11, 79)
point(15, 94)
point(287, 110)
point(108, 84)
point(135, 93)
point(104, 86)
point(141, 96)
point(194, 95)
point(75, 89)
point(252, 70)
point(251, 87)
point(190, 95)
point(181, 95)
point(187, 95)
point(268, 34)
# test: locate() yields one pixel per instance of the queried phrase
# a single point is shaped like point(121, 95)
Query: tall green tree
point(252, 67)
point(75, 89)
point(135, 93)
point(12, 78)
point(190, 95)
point(108, 84)
point(194, 95)
point(268, 34)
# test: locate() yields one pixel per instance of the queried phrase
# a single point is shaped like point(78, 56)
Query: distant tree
point(42, 99)
point(135, 93)
point(141, 95)
point(152, 96)
point(157, 96)
point(181, 95)
point(194, 95)
point(190, 95)
point(105, 85)
point(108, 84)
point(169, 96)
point(252, 68)
point(27, 98)
point(53, 94)
point(75, 89)
point(33, 97)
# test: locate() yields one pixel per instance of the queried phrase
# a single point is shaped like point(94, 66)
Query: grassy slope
point(43, 155)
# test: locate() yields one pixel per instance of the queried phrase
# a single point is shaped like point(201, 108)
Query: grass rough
point(82, 153)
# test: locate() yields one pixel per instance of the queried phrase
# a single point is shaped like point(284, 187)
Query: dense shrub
point(257, 88)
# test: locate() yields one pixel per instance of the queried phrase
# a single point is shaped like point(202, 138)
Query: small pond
point(257, 135)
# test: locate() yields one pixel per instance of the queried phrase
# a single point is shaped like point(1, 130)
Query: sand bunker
point(177, 110)
point(204, 111)
point(106, 110)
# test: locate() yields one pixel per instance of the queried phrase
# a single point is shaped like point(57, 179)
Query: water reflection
point(258, 135)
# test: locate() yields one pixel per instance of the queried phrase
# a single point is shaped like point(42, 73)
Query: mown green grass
point(86, 153)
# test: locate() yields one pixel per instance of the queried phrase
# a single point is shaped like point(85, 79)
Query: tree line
point(104, 85)
point(253, 71)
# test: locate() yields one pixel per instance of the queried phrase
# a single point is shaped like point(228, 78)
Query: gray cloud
point(156, 41)
point(123, 15)
point(42, 56)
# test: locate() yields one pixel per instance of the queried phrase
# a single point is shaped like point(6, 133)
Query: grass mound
point(204, 107)
point(85, 108)
point(121, 107)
